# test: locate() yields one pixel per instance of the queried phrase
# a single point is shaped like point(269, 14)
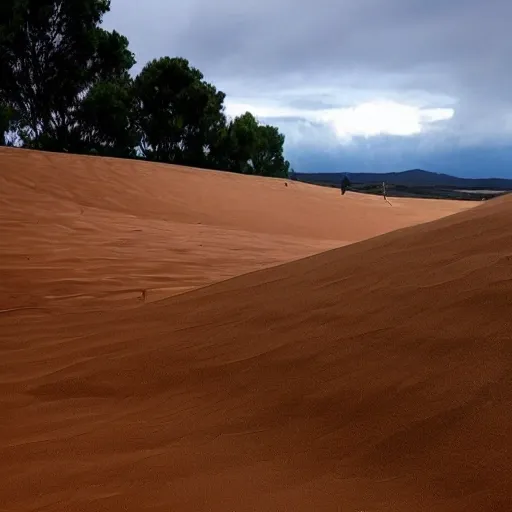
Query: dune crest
point(80, 230)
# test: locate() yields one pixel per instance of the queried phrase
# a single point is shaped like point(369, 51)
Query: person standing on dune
point(345, 184)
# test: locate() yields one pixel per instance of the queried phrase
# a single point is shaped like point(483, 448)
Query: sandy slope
point(376, 377)
point(76, 228)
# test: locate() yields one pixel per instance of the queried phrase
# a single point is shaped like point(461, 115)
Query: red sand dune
point(76, 228)
point(376, 377)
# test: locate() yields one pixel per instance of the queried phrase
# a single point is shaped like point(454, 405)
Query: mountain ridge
point(410, 177)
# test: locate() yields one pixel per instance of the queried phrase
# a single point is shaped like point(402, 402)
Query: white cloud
point(367, 119)
point(383, 118)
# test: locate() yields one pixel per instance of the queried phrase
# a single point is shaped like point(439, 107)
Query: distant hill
point(411, 178)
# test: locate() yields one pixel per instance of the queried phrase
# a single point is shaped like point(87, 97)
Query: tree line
point(65, 85)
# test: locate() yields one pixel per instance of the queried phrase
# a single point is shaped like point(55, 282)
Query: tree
point(8, 120)
point(52, 52)
point(4, 124)
point(251, 148)
point(65, 86)
point(268, 159)
point(180, 116)
point(238, 145)
point(106, 120)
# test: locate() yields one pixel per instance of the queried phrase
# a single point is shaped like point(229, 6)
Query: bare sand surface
point(375, 377)
point(81, 230)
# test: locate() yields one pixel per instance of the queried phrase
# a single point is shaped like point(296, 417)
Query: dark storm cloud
point(321, 54)
point(437, 42)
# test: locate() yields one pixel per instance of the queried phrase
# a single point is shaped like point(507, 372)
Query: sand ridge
point(373, 377)
point(81, 230)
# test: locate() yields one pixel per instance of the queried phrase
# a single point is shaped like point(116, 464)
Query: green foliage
point(268, 158)
point(51, 53)
point(179, 114)
point(106, 120)
point(8, 120)
point(240, 144)
point(251, 148)
point(4, 124)
point(65, 86)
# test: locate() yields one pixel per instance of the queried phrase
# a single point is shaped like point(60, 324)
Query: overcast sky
point(356, 85)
